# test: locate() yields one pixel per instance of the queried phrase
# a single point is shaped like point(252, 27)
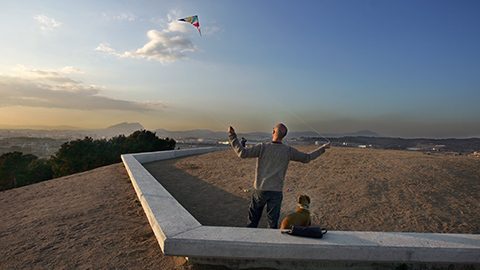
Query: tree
point(39, 170)
point(14, 170)
point(86, 154)
point(80, 155)
point(17, 169)
point(147, 141)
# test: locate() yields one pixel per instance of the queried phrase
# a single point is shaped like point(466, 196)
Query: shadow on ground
point(210, 205)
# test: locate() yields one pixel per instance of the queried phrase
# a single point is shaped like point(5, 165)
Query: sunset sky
point(399, 68)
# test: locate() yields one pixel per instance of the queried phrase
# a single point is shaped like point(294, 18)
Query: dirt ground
point(350, 188)
point(90, 220)
point(93, 220)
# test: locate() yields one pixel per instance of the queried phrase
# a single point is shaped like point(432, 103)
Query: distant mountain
point(195, 133)
point(118, 129)
point(38, 127)
point(209, 134)
point(126, 126)
point(366, 133)
point(298, 134)
point(66, 132)
point(305, 134)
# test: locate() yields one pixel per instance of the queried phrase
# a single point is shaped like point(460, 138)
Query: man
point(272, 163)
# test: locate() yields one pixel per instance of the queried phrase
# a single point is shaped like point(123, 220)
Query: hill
point(121, 128)
point(65, 132)
point(350, 188)
point(209, 134)
point(94, 220)
point(90, 220)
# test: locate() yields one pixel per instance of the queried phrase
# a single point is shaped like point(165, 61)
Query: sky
point(399, 68)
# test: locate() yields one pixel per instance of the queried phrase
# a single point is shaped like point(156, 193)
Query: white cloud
point(176, 26)
point(174, 14)
point(71, 70)
point(166, 46)
point(124, 16)
point(56, 78)
point(105, 48)
point(211, 30)
point(31, 71)
point(47, 23)
point(53, 89)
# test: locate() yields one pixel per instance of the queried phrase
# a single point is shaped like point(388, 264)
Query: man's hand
point(231, 130)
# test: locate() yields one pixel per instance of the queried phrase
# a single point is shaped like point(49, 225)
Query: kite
point(194, 21)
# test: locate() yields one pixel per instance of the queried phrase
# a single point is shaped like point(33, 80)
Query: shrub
point(86, 154)
point(18, 169)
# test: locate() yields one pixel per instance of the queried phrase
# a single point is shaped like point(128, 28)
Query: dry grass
point(90, 220)
point(351, 189)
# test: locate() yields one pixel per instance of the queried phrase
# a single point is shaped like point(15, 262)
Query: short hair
point(282, 130)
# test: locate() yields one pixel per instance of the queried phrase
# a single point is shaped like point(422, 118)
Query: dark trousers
point(273, 200)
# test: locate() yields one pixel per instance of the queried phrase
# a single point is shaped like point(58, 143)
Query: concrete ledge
point(162, 155)
point(246, 243)
point(180, 234)
point(142, 180)
point(166, 216)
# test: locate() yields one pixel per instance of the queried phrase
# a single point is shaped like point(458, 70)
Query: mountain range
point(68, 132)
point(206, 133)
point(126, 128)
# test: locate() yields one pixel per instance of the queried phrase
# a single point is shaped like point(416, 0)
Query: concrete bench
point(180, 234)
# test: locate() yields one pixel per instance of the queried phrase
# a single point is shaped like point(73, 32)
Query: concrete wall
point(180, 234)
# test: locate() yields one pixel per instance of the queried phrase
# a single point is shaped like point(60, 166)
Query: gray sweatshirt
point(272, 161)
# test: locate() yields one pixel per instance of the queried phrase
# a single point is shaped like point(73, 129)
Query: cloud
point(124, 16)
point(176, 26)
point(105, 48)
point(163, 46)
point(53, 89)
point(71, 70)
point(166, 46)
point(46, 23)
point(52, 77)
point(211, 30)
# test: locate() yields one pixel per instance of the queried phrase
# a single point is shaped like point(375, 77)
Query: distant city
point(45, 142)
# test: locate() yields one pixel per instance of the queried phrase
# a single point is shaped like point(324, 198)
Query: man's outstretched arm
point(243, 152)
point(296, 155)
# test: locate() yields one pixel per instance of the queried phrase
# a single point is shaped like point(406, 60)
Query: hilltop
point(94, 220)
point(89, 220)
point(351, 189)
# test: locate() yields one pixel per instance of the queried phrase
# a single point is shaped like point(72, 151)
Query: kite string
point(290, 112)
point(310, 127)
point(209, 115)
point(295, 185)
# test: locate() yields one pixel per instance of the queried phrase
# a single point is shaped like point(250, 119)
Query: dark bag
point(312, 232)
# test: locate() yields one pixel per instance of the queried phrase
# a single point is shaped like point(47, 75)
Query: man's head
point(279, 132)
